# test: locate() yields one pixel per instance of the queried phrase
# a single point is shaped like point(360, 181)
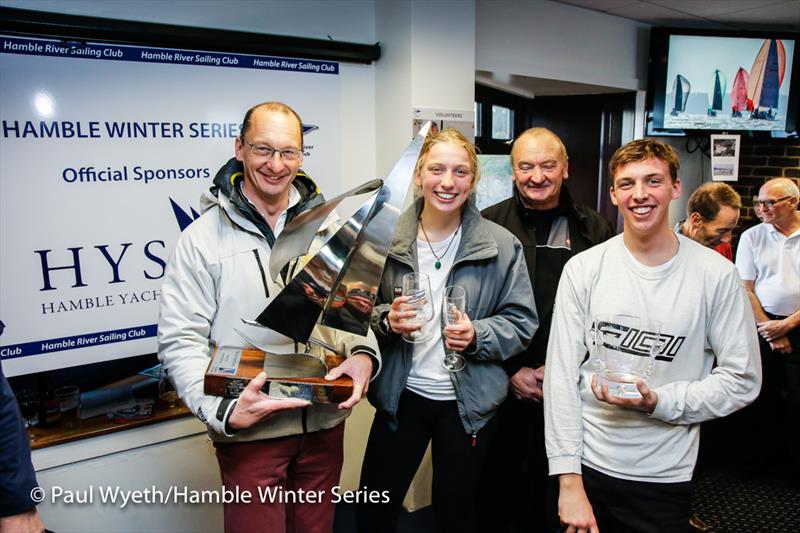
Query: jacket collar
point(226, 191)
point(565, 199)
point(476, 241)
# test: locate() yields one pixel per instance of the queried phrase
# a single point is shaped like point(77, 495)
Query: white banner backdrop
point(104, 153)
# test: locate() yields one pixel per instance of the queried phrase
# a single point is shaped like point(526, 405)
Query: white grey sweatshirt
point(706, 317)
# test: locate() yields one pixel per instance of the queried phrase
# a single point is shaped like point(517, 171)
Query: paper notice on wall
point(725, 157)
point(460, 119)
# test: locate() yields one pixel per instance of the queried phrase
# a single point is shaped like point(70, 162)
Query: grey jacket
point(490, 265)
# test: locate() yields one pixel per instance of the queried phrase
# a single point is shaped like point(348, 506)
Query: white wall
point(695, 170)
point(443, 57)
point(393, 79)
point(427, 62)
point(343, 20)
point(549, 40)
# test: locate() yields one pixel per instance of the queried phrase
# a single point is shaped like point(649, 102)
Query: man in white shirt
point(627, 463)
point(768, 260)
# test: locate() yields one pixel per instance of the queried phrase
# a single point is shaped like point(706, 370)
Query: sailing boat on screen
point(720, 83)
point(739, 93)
point(681, 89)
point(766, 77)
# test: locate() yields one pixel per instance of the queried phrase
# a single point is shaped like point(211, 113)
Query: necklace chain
point(438, 263)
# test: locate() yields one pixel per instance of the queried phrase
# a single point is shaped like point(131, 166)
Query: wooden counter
point(102, 425)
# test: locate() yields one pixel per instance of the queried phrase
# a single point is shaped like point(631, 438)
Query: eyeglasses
point(767, 203)
point(287, 154)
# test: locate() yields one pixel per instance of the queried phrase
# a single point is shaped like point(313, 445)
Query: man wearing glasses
point(552, 228)
point(768, 260)
point(217, 275)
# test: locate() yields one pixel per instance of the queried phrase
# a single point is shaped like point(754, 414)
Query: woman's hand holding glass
point(458, 331)
point(460, 334)
point(401, 315)
point(417, 294)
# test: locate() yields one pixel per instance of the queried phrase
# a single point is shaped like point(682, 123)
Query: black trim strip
point(223, 408)
point(363, 349)
point(263, 274)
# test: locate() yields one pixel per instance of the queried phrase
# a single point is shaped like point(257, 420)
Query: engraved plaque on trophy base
point(288, 375)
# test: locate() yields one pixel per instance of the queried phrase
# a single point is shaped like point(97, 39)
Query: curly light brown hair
point(641, 150)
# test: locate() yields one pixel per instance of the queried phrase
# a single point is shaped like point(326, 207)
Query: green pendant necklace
point(438, 263)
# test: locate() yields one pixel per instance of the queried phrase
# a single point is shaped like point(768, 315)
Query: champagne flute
point(454, 305)
point(417, 288)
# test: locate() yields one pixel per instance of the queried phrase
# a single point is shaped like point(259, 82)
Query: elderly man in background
point(768, 260)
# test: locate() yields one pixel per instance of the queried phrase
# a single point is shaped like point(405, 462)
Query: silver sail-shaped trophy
point(339, 284)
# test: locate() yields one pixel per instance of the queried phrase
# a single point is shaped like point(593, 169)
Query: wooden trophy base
point(231, 369)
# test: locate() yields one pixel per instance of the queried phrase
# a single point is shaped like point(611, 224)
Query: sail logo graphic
point(641, 342)
point(183, 218)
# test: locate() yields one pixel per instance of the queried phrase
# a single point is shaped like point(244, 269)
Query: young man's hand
point(574, 509)
point(646, 403)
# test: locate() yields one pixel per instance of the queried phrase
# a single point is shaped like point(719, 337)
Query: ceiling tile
point(712, 8)
point(784, 14)
point(600, 5)
point(780, 15)
point(651, 13)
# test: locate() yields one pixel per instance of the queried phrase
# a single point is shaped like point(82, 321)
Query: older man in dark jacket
point(552, 228)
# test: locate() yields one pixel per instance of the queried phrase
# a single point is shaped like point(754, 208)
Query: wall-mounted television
point(719, 81)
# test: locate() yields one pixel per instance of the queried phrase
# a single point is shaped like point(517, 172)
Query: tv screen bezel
point(657, 79)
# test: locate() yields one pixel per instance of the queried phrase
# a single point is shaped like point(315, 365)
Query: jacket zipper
point(263, 274)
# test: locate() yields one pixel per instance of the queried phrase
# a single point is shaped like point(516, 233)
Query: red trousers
point(290, 480)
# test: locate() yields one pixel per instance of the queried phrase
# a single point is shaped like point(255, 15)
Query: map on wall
point(495, 184)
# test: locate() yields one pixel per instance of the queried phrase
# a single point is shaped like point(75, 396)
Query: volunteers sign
point(104, 153)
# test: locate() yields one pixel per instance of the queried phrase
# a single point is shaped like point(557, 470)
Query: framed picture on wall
point(725, 157)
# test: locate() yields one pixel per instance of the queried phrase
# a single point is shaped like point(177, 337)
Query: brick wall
point(760, 161)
